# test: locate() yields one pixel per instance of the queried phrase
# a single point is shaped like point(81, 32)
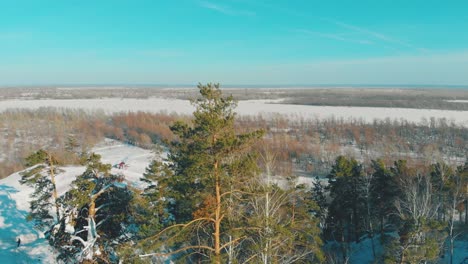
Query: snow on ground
point(361, 253)
point(457, 101)
point(136, 159)
point(14, 203)
point(461, 252)
point(285, 182)
point(248, 107)
point(34, 248)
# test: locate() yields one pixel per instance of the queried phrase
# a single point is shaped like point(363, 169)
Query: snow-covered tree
point(95, 220)
point(44, 206)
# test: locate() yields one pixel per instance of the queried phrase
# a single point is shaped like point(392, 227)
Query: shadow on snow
point(13, 224)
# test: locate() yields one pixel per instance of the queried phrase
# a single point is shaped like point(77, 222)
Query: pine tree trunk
point(91, 229)
point(52, 179)
point(402, 258)
point(92, 209)
point(217, 233)
point(343, 246)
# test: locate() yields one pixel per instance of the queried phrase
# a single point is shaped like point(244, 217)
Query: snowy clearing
point(268, 108)
point(14, 203)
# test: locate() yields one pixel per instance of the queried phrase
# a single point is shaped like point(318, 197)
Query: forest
point(228, 190)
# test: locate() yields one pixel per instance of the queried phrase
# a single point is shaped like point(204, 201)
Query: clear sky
point(260, 42)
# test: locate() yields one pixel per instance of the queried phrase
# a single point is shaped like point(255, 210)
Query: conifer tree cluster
point(408, 210)
point(86, 222)
point(213, 201)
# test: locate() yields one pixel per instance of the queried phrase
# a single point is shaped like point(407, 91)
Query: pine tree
point(317, 194)
point(346, 183)
point(95, 218)
point(209, 162)
point(155, 206)
point(149, 211)
point(41, 177)
point(37, 157)
point(347, 209)
point(384, 192)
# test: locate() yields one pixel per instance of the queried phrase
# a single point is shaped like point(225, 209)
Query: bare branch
point(179, 225)
point(177, 251)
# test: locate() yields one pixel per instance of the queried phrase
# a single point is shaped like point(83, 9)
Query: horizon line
point(162, 85)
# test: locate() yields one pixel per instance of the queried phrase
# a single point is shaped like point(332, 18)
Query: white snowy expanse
point(248, 107)
point(14, 203)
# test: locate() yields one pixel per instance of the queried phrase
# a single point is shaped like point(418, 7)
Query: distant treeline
point(304, 144)
point(370, 97)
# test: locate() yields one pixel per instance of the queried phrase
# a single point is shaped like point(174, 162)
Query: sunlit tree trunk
point(52, 179)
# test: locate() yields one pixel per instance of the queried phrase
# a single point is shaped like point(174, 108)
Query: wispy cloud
point(338, 37)
point(226, 10)
point(376, 35)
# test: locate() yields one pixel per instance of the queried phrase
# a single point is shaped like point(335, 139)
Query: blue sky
point(260, 42)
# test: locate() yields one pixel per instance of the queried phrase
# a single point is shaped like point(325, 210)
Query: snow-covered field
point(248, 107)
point(14, 203)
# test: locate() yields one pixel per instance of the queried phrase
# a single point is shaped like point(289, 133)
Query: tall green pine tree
point(44, 207)
point(203, 160)
point(384, 192)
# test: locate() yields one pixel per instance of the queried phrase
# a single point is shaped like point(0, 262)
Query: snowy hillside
point(14, 203)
